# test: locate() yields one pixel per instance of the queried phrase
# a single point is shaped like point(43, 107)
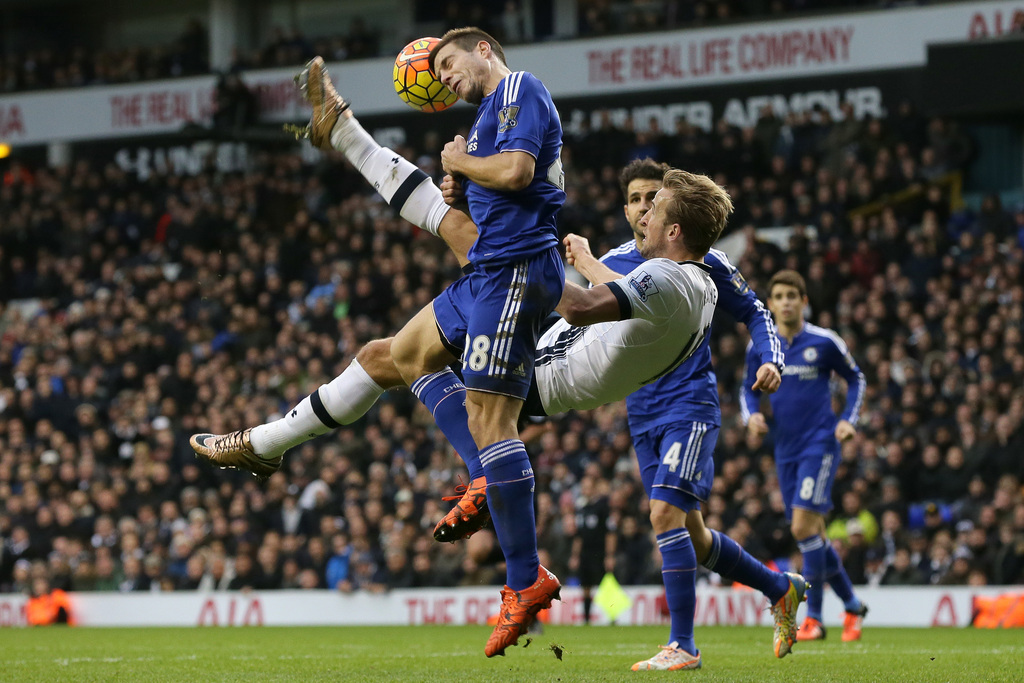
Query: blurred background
point(171, 263)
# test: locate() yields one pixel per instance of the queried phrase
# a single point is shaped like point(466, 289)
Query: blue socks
point(734, 563)
point(839, 580)
point(814, 551)
point(510, 500)
point(679, 571)
point(444, 395)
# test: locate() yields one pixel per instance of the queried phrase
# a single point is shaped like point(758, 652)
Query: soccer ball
point(415, 83)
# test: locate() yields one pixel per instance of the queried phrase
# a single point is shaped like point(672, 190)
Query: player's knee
point(407, 358)
point(375, 358)
point(801, 529)
point(665, 516)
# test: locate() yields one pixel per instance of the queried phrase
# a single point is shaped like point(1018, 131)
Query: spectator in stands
point(901, 571)
point(338, 568)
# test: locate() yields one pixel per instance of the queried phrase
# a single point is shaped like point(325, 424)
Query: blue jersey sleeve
point(842, 362)
point(750, 400)
point(736, 297)
point(524, 114)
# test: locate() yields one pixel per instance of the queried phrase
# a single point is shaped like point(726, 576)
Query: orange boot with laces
point(469, 515)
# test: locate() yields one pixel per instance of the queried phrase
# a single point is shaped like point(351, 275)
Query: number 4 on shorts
point(672, 456)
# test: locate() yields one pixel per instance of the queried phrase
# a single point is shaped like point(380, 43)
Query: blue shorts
point(806, 481)
point(677, 462)
point(492, 319)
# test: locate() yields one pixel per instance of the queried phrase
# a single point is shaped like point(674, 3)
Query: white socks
point(402, 185)
point(342, 401)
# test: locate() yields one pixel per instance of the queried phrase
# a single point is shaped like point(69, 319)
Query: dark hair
point(642, 169)
point(466, 38)
point(699, 205)
point(790, 278)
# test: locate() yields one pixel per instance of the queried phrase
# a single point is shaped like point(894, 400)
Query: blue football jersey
point(690, 392)
point(518, 116)
point(802, 407)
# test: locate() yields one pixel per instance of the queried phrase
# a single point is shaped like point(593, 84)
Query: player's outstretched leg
point(333, 126)
point(343, 400)
point(234, 451)
point(722, 555)
point(518, 610)
point(328, 105)
point(784, 614)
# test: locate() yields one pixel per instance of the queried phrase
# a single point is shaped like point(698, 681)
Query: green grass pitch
point(455, 653)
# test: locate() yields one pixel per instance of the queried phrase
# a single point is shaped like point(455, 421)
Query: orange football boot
point(469, 515)
point(811, 629)
point(518, 610)
point(852, 624)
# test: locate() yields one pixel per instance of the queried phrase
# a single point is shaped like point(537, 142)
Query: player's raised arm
point(578, 254)
point(736, 297)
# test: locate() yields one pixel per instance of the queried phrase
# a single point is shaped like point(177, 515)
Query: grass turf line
point(455, 653)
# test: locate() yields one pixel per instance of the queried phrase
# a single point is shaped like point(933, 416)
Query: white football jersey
point(670, 305)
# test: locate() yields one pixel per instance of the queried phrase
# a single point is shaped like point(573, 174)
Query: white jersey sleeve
point(654, 290)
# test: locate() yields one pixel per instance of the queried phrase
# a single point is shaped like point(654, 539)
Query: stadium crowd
point(54, 63)
point(134, 313)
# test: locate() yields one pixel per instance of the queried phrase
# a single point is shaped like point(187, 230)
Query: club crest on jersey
point(643, 285)
point(811, 354)
point(507, 117)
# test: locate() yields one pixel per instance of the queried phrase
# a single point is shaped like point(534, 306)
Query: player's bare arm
point(583, 307)
point(578, 254)
point(506, 171)
point(459, 232)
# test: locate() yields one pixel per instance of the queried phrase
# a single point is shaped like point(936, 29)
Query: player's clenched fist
point(845, 431)
point(576, 247)
point(451, 152)
point(451, 190)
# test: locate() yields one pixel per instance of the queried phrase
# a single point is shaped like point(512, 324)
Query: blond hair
point(699, 205)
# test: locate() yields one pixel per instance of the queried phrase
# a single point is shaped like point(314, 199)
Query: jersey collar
point(700, 264)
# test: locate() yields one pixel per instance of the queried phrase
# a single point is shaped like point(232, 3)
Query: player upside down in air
point(667, 307)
